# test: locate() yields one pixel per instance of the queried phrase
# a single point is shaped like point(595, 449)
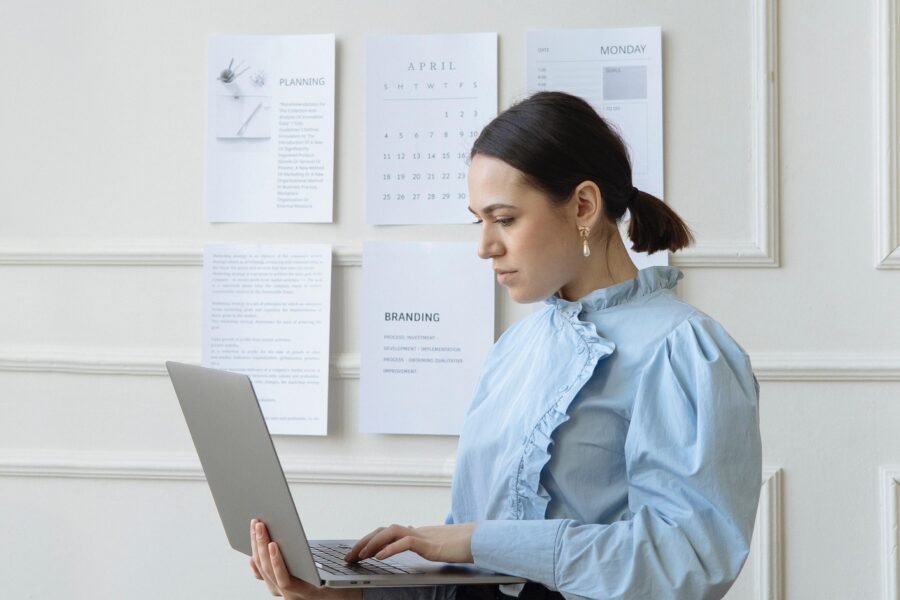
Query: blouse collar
point(648, 280)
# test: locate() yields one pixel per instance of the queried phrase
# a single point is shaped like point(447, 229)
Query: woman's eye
point(502, 222)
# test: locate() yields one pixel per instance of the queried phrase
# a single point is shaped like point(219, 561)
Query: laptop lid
point(240, 462)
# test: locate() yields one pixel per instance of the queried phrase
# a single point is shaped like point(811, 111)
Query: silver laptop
point(247, 481)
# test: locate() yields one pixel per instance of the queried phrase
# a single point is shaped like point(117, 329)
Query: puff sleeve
point(693, 465)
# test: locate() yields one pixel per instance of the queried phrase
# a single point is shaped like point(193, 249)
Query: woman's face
point(521, 232)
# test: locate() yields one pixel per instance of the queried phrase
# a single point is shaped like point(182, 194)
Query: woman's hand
point(443, 543)
point(267, 564)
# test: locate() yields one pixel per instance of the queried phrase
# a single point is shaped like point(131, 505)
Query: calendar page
point(618, 72)
point(427, 99)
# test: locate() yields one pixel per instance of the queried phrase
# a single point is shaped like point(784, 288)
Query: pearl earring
point(586, 250)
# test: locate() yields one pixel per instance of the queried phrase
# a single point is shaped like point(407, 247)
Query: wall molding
point(890, 536)
point(107, 361)
point(167, 466)
point(796, 367)
point(764, 251)
point(826, 367)
point(723, 254)
point(887, 128)
point(148, 253)
point(704, 254)
point(768, 545)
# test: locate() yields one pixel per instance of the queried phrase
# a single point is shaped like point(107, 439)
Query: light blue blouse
point(612, 448)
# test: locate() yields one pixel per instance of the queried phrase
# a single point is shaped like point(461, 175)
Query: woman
point(612, 448)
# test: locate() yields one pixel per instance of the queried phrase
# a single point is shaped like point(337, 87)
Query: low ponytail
point(654, 226)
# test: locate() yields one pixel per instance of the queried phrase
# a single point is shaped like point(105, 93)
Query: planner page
point(270, 128)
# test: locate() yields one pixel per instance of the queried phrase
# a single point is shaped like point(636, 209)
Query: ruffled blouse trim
point(530, 497)
point(648, 280)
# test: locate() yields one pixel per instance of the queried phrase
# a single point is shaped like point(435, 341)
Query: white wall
point(101, 230)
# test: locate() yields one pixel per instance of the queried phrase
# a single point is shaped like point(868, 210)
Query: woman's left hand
point(268, 564)
point(442, 543)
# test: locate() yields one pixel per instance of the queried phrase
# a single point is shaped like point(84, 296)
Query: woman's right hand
point(267, 564)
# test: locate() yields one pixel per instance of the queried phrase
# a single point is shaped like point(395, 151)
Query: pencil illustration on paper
point(242, 112)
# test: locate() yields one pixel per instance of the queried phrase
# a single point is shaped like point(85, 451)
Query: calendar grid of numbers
point(428, 97)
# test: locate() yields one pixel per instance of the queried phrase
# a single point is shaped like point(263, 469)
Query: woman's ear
point(588, 204)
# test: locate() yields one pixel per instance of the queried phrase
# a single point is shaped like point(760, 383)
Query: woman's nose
point(487, 246)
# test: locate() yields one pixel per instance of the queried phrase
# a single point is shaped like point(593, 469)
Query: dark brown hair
point(557, 141)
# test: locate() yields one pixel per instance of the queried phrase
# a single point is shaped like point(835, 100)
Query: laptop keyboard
point(330, 558)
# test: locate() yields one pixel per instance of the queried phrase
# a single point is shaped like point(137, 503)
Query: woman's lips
point(504, 277)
